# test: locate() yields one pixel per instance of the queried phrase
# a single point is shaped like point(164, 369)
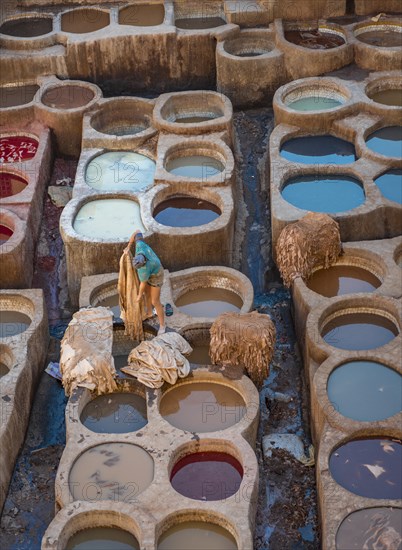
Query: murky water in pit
point(209, 302)
point(115, 413)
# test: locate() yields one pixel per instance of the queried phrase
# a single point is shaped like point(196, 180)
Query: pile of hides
point(86, 352)
point(312, 242)
point(246, 340)
point(160, 360)
point(132, 312)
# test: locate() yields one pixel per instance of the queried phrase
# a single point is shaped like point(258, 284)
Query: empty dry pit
point(27, 27)
point(17, 148)
point(14, 96)
point(67, 96)
point(142, 15)
point(105, 472)
point(11, 184)
point(122, 117)
point(81, 21)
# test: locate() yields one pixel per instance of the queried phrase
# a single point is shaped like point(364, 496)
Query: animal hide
point(132, 312)
point(244, 339)
point(312, 242)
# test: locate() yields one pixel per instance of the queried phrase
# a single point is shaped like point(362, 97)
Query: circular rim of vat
point(383, 84)
point(73, 207)
point(330, 84)
point(20, 134)
point(208, 30)
point(159, 194)
point(179, 195)
point(32, 15)
point(248, 37)
point(320, 385)
point(382, 125)
point(163, 102)
point(144, 2)
point(69, 84)
point(202, 380)
point(92, 8)
point(214, 151)
point(7, 357)
point(24, 306)
point(343, 173)
point(300, 134)
point(329, 28)
point(358, 29)
point(20, 85)
point(370, 310)
point(16, 225)
point(352, 258)
point(195, 514)
point(82, 397)
point(118, 439)
point(72, 518)
point(363, 435)
point(138, 151)
point(397, 255)
point(349, 513)
point(18, 176)
point(107, 107)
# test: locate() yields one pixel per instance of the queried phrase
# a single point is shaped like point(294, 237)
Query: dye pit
point(287, 505)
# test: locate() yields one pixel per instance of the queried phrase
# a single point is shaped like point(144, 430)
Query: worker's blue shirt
point(152, 265)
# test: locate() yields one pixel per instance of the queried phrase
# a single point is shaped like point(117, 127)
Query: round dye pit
point(359, 331)
point(183, 211)
point(11, 184)
point(202, 407)
point(3, 370)
point(111, 471)
point(369, 467)
point(391, 97)
point(84, 20)
point(200, 355)
point(13, 323)
point(121, 126)
point(195, 166)
point(108, 219)
point(371, 528)
point(142, 15)
point(248, 46)
point(199, 23)
point(17, 148)
point(13, 96)
point(315, 39)
point(120, 171)
point(365, 391)
point(5, 233)
point(193, 118)
point(67, 97)
point(314, 98)
point(390, 185)
point(342, 279)
point(318, 150)
point(197, 535)
point(102, 538)
point(328, 194)
point(207, 476)
point(113, 303)
point(115, 413)
point(385, 36)
point(386, 141)
point(208, 302)
point(27, 27)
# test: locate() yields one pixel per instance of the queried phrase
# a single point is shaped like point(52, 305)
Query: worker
point(150, 274)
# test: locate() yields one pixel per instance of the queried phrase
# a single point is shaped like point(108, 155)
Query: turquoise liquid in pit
point(318, 150)
point(314, 103)
point(386, 141)
point(390, 185)
point(324, 194)
point(365, 391)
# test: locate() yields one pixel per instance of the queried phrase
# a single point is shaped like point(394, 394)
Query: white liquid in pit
point(109, 219)
point(120, 171)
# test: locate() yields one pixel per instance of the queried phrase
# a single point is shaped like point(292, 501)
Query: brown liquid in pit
point(102, 538)
point(315, 39)
point(200, 355)
point(27, 27)
point(388, 97)
point(12, 96)
point(209, 302)
point(5, 234)
point(13, 323)
point(84, 20)
point(3, 370)
point(382, 39)
point(67, 97)
point(197, 535)
point(202, 407)
point(199, 23)
point(371, 528)
point(115, 413)
point(342, 279)
point(111, 471)
point(142, 15)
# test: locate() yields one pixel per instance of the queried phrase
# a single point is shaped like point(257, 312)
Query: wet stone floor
point(287, 508)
